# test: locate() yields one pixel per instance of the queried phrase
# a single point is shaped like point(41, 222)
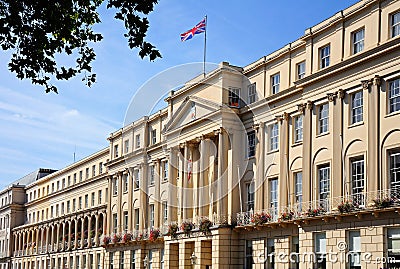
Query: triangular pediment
point(192, 109)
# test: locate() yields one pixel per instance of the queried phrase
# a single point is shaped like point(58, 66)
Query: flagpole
point(205, 46)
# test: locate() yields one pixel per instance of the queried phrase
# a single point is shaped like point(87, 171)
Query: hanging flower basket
point(205, 225)
point(187, 227)
point(116, 238)
point(172, 230)
point(286, 216)
point(346, 206)
point(139, 237)
point(315, 212)
point(127, 237)
point(154, 234)
point(106, 240)
point(383, 202)
point(260, 218)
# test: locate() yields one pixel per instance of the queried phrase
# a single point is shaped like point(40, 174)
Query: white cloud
point(38, 133)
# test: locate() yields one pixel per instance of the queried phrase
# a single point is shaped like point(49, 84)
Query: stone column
point(307, 150)
point(203, 176)
point(172, 192)
point(195, 179)
point(372, 89)
point(76, 234)
point(179, 183)
point(105, 218)
point(131, 183)
point(184, 181)
point(260, 173)
point(69, 232)
point(119, 203)
point(109, 203)
point(143, 196)
point(96, 231)
point(47, 238)
point(283, 185)
point(63, 236)
point(82, 232)
point(337, 137)
point(157, 184)
point(222, 174)
point(89, 227)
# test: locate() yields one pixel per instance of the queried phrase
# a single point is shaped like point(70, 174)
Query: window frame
point(275, 83)
point(324, 56)
point(126, 144)
point(251, 93)
point(136, 179)
point(165, 171)
point(165, 211)
point(250, 196)
point(115, 186)
point(273, 201)
point(126, 221)
point(116, 154)
point(323, 120)
point(251, 144)
point(273, 137)
point(358, 45)
point(299, 72)
point(320, 255)
point(125, 178)
point(357, 179)
point(234, 97)
point(394, 27)
point(298, 189)
point(298, 128)
point(393, 101)
point(357, 116)
point(324, 184)
point(154, 136)
point(393, 256)
point(394, 184)
point(137, 141)
point(353, 252)
point(152, 219)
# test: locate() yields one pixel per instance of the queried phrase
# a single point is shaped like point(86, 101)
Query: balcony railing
point(349, 204)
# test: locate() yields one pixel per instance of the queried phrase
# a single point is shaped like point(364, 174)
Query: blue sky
point(44, 130)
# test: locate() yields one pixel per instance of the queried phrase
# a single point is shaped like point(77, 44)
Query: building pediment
point(192, 110)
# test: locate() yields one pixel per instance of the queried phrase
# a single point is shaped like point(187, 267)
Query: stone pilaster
point(307, 152)
point(284, 185)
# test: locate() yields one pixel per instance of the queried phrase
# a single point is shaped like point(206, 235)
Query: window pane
point(394, 96)
point(357, 107)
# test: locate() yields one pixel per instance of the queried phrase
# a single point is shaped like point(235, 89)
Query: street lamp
point(193, 259)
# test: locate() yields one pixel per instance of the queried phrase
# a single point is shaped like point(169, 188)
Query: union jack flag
point(198, 29)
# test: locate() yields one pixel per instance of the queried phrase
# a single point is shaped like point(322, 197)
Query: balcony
point(335, 207)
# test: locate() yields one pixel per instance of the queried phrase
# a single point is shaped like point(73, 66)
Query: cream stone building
point(292, 161)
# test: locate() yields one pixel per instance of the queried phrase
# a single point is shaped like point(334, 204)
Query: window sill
point(323, 134)
point(152, 185)
point(273, 151)
point(136, 189)
point(356, 124)
point(251, 157)
point(125, 192)
point(298, 143)
point(392, 114)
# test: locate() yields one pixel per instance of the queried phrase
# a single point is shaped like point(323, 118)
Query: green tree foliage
point(38, 31)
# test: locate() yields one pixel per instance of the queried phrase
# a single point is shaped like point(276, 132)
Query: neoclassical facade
point(292, 161)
